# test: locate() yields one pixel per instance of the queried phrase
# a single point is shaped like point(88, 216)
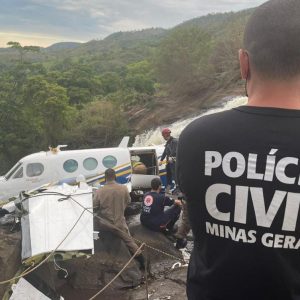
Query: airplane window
point(19, 173)
point(12, 170)
point(109, 161)
point(70, 165)
point(34, 169)
point(90, 163)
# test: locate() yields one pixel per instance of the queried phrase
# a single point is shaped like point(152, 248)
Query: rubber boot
point(181, 243)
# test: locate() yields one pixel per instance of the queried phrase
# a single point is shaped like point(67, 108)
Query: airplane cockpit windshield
point(12, 170)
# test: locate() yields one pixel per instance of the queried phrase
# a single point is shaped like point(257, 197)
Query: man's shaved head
point(272, 39)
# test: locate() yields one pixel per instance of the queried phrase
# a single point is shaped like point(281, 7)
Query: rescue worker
point(170, 155)
point(153, 215)
point(110, 202)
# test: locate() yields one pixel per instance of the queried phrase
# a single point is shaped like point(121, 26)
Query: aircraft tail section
point(124, 142)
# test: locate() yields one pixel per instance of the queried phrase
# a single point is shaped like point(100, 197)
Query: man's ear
point(244, 63)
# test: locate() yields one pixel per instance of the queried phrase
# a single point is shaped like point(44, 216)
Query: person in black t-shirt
point(153, 215)
point(240, 172)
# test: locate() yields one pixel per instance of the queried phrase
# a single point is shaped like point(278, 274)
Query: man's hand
point(178, 202)
point(160, 163)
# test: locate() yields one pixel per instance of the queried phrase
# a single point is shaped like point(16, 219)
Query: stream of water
point(153, 136)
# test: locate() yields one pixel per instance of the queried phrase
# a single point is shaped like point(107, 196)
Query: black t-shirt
point(240, 171)
point(170, 148)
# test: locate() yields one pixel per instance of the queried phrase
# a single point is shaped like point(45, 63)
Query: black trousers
point(163, 221)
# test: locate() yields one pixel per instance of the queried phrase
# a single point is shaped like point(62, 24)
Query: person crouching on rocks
point(153, 215)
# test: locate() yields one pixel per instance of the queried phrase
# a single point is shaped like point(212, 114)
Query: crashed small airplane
point(136, 165)
point(55, 210)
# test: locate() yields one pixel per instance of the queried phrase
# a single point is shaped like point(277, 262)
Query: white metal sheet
point(50, 220)
point(23, 290)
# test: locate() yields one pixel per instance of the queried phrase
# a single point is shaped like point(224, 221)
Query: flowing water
point(153, 136)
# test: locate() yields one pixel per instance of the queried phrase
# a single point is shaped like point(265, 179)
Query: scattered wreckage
point(56, 225)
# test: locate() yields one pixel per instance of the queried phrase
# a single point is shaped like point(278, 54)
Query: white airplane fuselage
point(54, 167)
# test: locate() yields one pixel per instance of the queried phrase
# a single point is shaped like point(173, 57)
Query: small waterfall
point(153, 136)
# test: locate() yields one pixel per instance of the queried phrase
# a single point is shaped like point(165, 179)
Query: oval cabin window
point(70, 165)
point(90, 163)
point(109, 161)
point(34, 169)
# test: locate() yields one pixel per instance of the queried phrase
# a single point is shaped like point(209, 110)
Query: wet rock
point(111, 254)
point(10, 255)
point(133, 208)
point(93, 273)
point(164, 288)
point(160, 252)
point(178, 275)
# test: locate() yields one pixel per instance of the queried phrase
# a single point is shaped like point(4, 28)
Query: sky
point(45, 22)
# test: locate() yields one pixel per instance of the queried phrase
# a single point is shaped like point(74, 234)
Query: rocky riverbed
point(87, 276)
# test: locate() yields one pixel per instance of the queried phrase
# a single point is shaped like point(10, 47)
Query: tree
point(182, 59)
point(47, 107)
point(99, 124)
point(23, 50)
point(140, 77)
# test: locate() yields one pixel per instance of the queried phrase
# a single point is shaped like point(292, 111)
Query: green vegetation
point(80, 94)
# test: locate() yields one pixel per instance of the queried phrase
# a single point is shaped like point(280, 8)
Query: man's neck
point(110, 181)
point(280, 94)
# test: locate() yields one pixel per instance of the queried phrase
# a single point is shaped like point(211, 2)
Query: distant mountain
point(144, 34)
point(124, 40)
point(5, 50)
point(216, 22)
point(63, 46)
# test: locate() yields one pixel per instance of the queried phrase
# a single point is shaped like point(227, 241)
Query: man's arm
point(173, 147)
point(127, 195)
point(163, 156)
point(96, 200)
point(170, 201)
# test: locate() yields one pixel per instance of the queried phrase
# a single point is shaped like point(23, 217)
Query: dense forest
point(80, 94)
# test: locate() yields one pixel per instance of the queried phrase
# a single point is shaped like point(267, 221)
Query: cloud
point(95, 19)
point(33, 39)
point(129, 25)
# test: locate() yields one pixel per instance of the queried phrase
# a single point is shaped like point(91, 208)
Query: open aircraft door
point(144, 168)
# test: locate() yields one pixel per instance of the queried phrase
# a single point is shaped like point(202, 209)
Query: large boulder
point(94, 272)
point(171, 286)
point(10, 255)
point(111, 254)
point(159, 250)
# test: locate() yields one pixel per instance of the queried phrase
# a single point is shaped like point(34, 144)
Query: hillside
point(62, 46)
point(91, 94)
